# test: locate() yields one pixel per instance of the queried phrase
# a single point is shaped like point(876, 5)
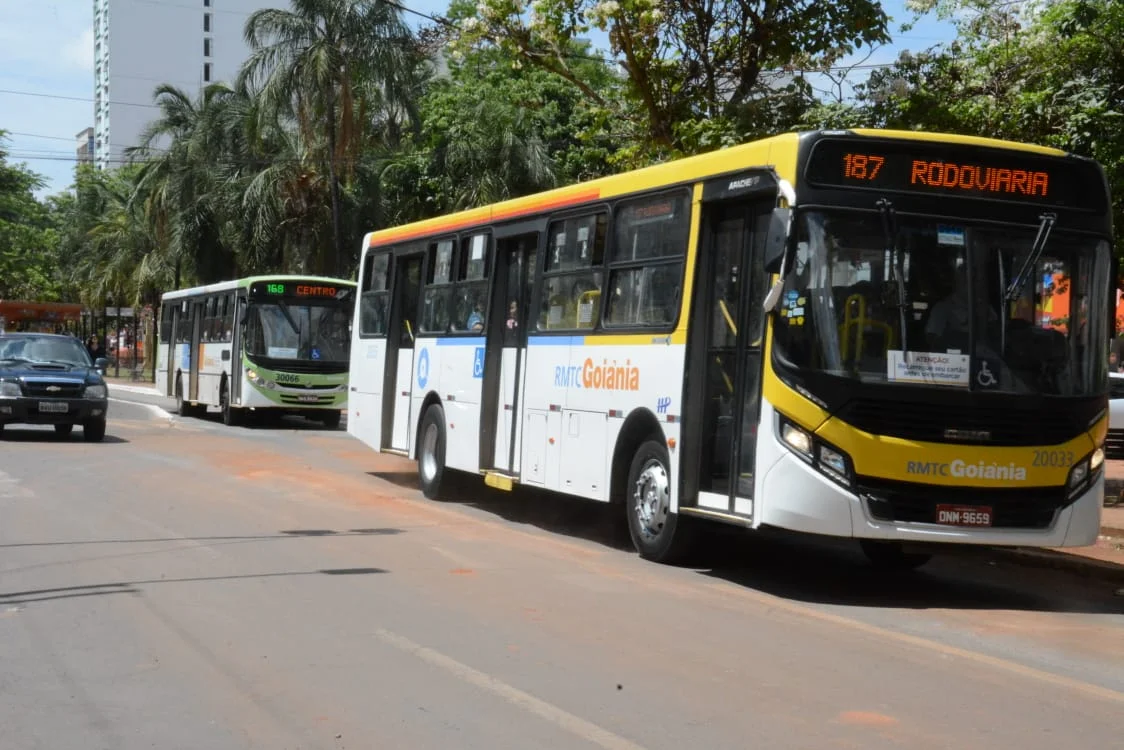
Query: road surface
point(186, 585)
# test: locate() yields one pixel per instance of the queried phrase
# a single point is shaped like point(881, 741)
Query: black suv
point(50, 379)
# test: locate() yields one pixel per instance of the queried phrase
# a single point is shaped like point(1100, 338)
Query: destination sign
point(297, 289)
point(944, 169)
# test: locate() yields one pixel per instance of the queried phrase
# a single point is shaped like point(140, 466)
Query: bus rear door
point(506, 350)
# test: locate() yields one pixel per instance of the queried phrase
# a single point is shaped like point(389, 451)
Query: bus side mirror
point(777, 239)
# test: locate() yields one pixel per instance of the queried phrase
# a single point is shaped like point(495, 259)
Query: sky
point(47, 78)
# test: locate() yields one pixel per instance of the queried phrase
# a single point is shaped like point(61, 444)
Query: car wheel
point(431, 451)
point(64, 430)
point(657, 533)
point(93, 431)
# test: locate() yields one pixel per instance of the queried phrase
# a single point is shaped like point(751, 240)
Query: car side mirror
point(101, 364)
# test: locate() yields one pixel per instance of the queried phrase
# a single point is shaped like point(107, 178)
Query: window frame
point(459, 265)
point(431, 247)
point(611, 265)
point(365, 285)
point(542, 275)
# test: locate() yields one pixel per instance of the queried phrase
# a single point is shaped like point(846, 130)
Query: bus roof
point(225, 286)
point(779, 152)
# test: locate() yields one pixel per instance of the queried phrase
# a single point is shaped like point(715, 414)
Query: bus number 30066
point(285, 377)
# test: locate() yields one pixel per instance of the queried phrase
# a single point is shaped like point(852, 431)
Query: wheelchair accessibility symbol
point(478, 363)
point(984, 377)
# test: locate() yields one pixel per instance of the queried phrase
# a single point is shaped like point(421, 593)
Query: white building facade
point(140, 44)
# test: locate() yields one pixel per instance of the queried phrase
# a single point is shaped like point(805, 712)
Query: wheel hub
point(651, 498)
point(429, 452)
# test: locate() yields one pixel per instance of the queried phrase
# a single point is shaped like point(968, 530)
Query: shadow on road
point(269, 421)
point(32, 596)
point(807, 568)
point(37, 434)
point(290, 534)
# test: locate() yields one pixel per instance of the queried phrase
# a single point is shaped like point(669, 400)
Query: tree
point(698, 74)
point(491, 131)
point(311, 61)
point(28, 238)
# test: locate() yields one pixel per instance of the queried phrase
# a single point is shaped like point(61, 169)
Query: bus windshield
point(284, 330)
point(932, 301)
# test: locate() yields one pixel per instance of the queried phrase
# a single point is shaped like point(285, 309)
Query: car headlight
point(10, 390)
point(97, 391)
point(829, 460)
point(1084, 472)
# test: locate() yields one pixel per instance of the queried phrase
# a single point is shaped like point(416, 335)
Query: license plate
point(54, 407)
point(964, 515)
point(310, 399)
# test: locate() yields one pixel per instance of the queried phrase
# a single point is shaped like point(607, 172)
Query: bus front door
point(505, 352)
point(725, 344)
point(399, 373)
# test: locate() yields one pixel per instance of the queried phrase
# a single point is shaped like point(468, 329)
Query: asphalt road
point(186, 585)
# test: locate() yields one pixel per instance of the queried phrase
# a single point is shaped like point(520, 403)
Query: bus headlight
point(829, 460)
point(1084, 472)
point(259, 381)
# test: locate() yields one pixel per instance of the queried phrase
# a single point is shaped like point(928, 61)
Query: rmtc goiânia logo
point(962, 469)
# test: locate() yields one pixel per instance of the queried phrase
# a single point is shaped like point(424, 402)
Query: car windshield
point(44, 349)
point(935, 303)
point(318, 332)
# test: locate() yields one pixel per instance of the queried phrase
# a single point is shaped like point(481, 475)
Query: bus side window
point(646, 266)
point(437, 297)
point(472, 285)
point(209, 320)
point(167, 312)
point(573, 276)
point(374, 295)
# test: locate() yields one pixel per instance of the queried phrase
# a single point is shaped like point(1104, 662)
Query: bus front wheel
point(332, 419)
point(431, 451)
point(892, 556)
point(657, 533)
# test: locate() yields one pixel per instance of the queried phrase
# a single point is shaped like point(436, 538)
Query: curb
point(134, 389)
point(1084, 566)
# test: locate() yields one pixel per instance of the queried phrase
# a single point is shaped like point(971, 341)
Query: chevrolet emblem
point(53, 388)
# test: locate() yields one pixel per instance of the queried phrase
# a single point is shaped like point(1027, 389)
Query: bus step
point(397, 452)
point(717, 515)
point(505, 482)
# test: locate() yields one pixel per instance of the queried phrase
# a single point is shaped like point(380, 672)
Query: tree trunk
point(333, 177)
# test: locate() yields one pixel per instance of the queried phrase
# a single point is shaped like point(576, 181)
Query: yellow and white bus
point(898, 337)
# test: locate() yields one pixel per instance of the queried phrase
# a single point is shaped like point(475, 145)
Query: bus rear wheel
point(657, 533)
point(892, 556)
point(431, 451)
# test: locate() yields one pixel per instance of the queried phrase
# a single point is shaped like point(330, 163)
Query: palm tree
point(314, 61)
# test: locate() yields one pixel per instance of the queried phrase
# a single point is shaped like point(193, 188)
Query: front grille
point(1114, 444)
point(1012, 508)
point(63, 390)
point(1009, 424)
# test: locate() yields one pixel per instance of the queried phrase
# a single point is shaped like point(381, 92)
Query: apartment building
point(139, 44)
point(84, 143)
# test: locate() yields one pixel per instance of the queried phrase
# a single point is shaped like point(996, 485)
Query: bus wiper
point(284, 307)
point(890, 230)
point(1046, 223)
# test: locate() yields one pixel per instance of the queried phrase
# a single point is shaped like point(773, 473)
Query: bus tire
point(332, 419)
point(182, 407)
point(230, 415)
point(657, 533)
point(431, 451)
point(891, 556)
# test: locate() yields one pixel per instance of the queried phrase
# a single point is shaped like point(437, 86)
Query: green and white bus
point(265, 344)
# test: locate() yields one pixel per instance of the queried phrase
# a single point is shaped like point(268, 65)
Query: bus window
point(438, 289)
point(472, 284)
point(572, 280)
point(646, 266)
point(374, 295)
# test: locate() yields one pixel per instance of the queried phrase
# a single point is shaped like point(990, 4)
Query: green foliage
point(697, 74)
point(28, 237)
